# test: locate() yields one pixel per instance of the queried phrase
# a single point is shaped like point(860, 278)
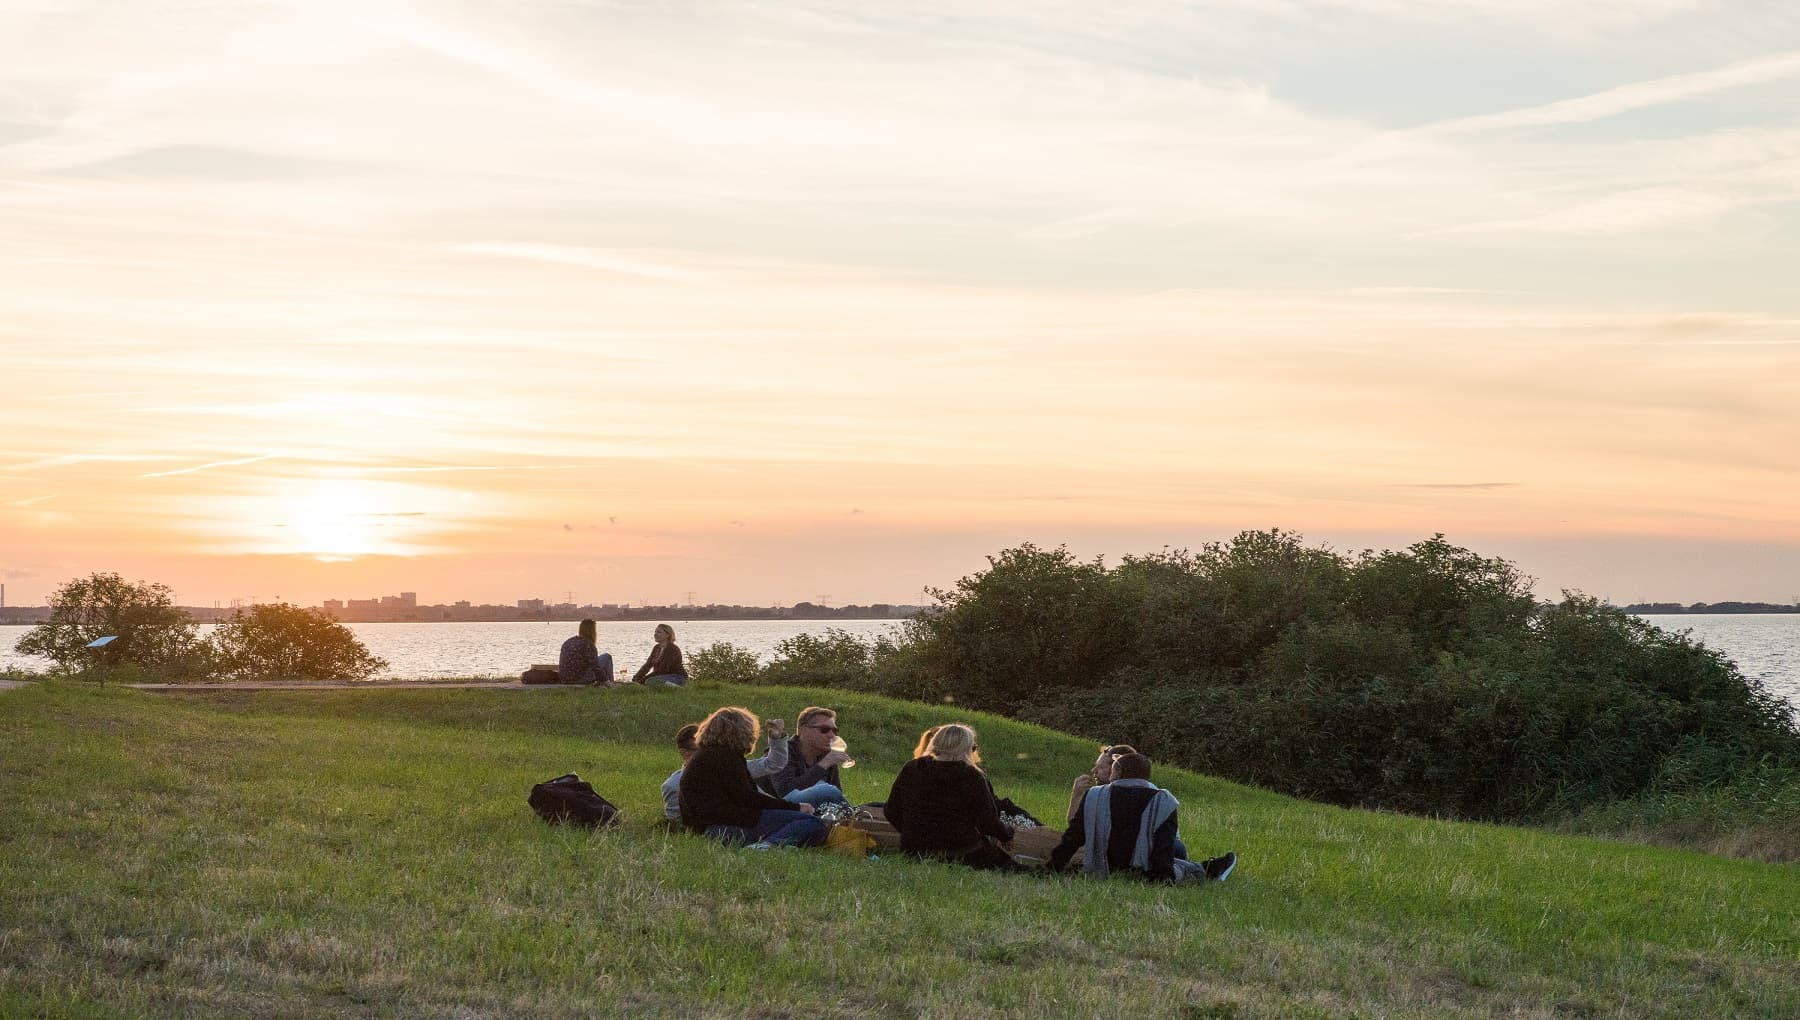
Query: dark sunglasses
point(825, 729)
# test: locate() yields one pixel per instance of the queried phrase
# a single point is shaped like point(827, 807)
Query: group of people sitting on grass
point(941, 802)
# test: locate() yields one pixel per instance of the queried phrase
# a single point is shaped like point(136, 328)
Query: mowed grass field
point(370, 853)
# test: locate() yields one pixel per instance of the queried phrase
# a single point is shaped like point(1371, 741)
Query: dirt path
point(7, 685)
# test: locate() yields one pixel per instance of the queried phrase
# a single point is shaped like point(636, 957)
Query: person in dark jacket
point(1130, 825)
point(664, 666)
point(581, 661)
point(944, 808)
point(719, 800)
point(815, 756)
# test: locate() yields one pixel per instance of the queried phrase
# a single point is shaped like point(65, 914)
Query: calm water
point(421, 651)
point(1766, 648)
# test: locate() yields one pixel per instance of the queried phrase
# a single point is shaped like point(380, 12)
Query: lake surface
point(1765, 647)
point(425, 651)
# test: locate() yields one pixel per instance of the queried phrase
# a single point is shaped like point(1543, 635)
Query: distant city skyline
point(762, 301)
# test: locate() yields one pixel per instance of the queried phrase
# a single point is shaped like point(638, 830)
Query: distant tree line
point(1670, 608)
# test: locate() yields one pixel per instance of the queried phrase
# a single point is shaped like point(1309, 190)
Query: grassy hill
point(370, 853)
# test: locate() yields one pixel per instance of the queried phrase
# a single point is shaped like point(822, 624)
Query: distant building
point(532, 605)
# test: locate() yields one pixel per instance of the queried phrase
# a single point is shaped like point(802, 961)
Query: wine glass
point(837, 744)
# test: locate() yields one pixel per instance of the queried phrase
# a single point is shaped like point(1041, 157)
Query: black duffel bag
point(570, 800)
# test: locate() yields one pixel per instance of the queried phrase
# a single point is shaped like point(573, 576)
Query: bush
point(1425, 680)
point(1035, 619)
point(725, 663)
point(837, 658)
point(152, 631)
point(283, 642)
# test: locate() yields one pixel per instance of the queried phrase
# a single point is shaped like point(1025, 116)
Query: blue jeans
point(666, 680)
point(606, 668)
point(820, 792)
point(782, 828)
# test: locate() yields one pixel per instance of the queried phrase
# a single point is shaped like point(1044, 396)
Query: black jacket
point(716, 790)
point(943, 807)
point(1128, 804)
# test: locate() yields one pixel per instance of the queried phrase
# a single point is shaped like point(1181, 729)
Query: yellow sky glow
point(328, 299)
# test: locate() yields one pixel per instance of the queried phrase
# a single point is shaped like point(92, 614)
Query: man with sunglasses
point(811, 775)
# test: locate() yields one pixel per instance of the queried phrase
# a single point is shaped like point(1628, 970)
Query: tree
point(283, 642)
point(152, 631)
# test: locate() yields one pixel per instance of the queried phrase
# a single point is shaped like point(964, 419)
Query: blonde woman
point(923, 747)
point(944, 808)
point(664, 666)
point(719, 799)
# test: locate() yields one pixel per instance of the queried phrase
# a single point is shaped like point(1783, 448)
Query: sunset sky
point(787, 300)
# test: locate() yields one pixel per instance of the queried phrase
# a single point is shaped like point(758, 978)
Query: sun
point(335, 519)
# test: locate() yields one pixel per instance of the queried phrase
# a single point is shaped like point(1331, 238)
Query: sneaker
point(1219, 868)
point(761, 845)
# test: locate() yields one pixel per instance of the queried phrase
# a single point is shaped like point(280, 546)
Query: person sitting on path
point(1130, 824)
point(582, 662)
point(811, 775)
point(943, 807)
point(720, 800)
point(664, 666)
point(686, 745)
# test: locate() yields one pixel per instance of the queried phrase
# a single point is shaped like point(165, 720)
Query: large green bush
point(283, 642)
point(1426, 679)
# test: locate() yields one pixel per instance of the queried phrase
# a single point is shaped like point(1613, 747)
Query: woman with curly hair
point(719, 799)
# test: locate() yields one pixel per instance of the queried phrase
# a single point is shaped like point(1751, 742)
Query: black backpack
point(570, 800)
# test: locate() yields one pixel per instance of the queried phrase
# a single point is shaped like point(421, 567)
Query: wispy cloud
point(72, 459)
point(1635, 96)
point(581, 257)
point(210, 466)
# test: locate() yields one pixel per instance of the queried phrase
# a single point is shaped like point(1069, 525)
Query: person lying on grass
point(721, 801)
point(811, 775)
point(1130, 824)
point(944, 808)
point(686, 745)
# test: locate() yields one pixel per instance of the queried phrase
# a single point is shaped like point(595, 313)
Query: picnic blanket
point(1030, 847)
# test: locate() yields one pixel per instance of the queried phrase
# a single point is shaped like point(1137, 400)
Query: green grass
point(370, 853)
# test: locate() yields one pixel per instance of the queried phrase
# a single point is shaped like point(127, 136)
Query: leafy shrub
point(283, 642)
point(725, 663)
point(1426, 679)
point(151, 630)
point(836, 658)
point(1034, 619)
